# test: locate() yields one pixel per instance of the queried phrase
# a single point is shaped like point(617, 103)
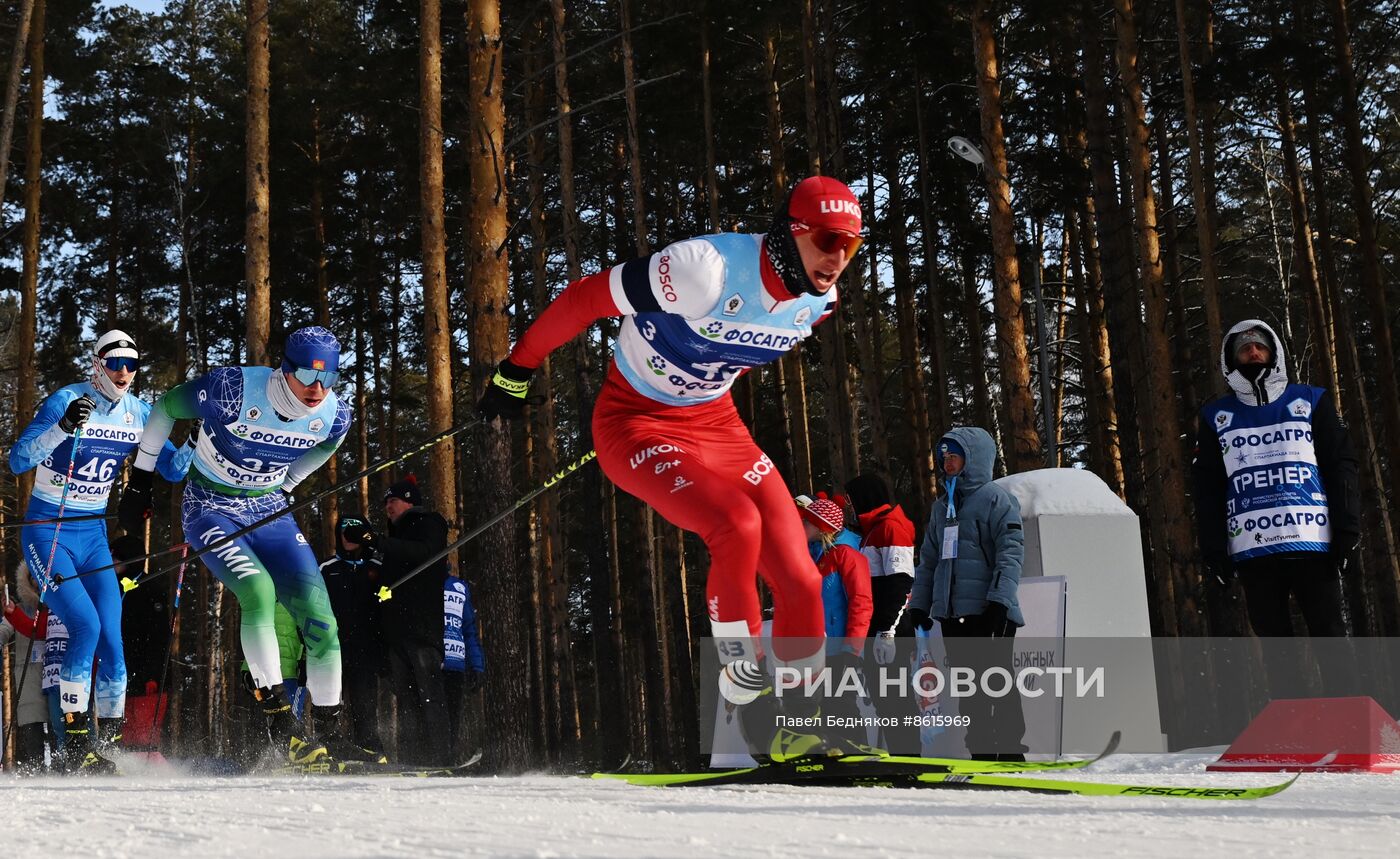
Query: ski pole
point(44, 575)
point(369, 471)
point(58, 521)
point(20, 523)
point(387, 593)
point(169, 646)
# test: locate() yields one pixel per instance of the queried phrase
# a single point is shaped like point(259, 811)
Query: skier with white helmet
point(94, 426)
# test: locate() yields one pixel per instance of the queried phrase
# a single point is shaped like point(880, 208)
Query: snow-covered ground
point(268, 817)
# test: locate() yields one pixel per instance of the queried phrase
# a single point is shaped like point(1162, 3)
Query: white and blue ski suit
point(90, 606)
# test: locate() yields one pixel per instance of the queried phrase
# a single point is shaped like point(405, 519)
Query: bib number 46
point(98, 469)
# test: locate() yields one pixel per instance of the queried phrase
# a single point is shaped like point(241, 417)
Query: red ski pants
point(699, 467)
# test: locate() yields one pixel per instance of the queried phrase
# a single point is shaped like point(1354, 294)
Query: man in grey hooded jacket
point(967, 577)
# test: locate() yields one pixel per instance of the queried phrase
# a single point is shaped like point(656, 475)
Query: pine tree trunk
point(809, 87)
point(920, 451)
point(629, 681)
point(184, 185)
point(1094, 425)
point(840, 324)
point(366, 264)
point(653, 589)
point(939, 415)
point(1205, 205)
point(1383, 576)
point(1116, 259)
point(866, 320)
point(1303, 255)
point(684, 727)
point(708, 116)
point(658, 652)
point(545, 699)
point(29, 253)
point(508, 737)
point(540, 455)
point(607, 650)
point(362, 409)
point(7, 700)
point(174, 688)
point(437, 335)
point(7, 122)
point(257, 265)
point(546, 443)
point(396, 386)
point(827, 335)
point(1023, 449)
point(1372, 278)
point(1097, 355)
point(1096, 371)
point(797, 459)
point(977, 332)
point(787, 372)
point(638, 603)
point(777, 159)
point(789, 464)
point(1382, 559)
point(634, 154)
point(1181, 344)
point(114, 289)
point(186, 631)
point(331, 509)
point(1285, 299)
point(633, 663)
point(1164, 429)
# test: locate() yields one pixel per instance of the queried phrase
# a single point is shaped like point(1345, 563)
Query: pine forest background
point(423, 178)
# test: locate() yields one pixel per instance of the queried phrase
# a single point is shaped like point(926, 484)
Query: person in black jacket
point(1276, 489)
point(412, 620)
point(145, 617)
point(353, 577)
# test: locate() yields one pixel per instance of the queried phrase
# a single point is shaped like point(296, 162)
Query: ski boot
point(781, 729)
point(287, 733)
point(338, 746)
point(109, 733)
point(80, 753)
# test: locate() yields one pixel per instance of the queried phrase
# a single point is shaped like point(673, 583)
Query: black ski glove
point(841, 664)
point(994, 616)
point(76, 414)
point(505, 396)
point(1220, 574)
point(475, 681)
point(1344, 546)
point(135, 507)
point(193, 440)
point(358, 531)
point(920, 618)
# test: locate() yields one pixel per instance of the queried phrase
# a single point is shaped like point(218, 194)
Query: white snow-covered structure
point(1077, 529)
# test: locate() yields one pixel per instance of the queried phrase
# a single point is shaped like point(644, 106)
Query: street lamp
point(975, 153)
point(968, 151)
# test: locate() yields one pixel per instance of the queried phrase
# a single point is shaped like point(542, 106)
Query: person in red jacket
point(27, 662)
point(845, 573)
point(887, 541)
point(695, 316)
point(845, 595)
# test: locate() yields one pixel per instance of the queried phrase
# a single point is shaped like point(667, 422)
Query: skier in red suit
point(696, 315)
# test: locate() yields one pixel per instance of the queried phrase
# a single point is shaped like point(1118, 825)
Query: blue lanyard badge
point(950, 530)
